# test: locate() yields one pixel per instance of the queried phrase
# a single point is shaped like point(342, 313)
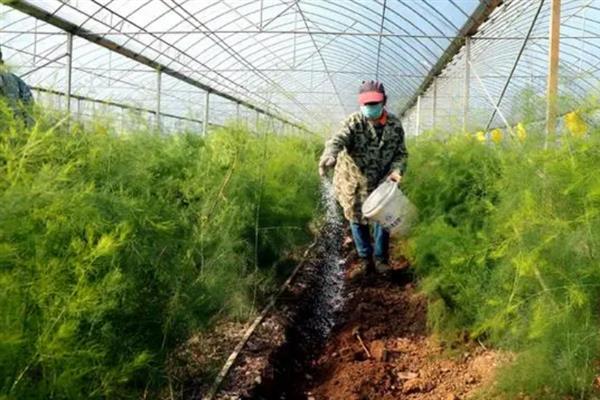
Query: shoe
point(360, 268)
point(382, 266)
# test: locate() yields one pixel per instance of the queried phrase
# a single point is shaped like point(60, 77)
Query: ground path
point(382, 350)
point(330, 339)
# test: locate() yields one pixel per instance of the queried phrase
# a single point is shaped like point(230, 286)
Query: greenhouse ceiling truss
point(299, 62)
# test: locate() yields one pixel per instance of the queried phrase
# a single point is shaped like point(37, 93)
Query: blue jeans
point(362, 240)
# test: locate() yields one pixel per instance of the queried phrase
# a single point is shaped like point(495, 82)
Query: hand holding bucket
point(388, 206)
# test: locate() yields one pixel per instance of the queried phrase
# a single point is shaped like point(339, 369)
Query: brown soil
point(383, 350)
point(193, 366)
point(379, 349)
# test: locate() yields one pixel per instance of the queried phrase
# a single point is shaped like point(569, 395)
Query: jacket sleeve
point(340, 140)
point(25, 93)
point(400, 154)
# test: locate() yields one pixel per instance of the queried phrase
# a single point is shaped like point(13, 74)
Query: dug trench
point(331, 339)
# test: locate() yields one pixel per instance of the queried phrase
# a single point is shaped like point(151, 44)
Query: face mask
point(372, 111)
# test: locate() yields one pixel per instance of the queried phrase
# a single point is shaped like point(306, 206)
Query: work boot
point(360, 268)
point(382, 266)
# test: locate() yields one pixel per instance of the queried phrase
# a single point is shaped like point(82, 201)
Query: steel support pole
point(467, 86)
point(158, 98)
point(434, 105)
point(206, 114)
point(553, 59)
point(69, 70)
point(257, 120)
point(237, 112)
point(418, 121)
point(260, 26)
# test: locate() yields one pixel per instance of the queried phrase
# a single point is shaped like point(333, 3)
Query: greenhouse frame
point(299, 199)
point(298, 63)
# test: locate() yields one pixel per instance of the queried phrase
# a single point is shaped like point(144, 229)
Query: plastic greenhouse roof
point(299, 59)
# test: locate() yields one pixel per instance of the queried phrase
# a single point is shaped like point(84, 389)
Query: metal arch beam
point(40, 53)
point(443, 17)
point(252, 69)
point(305, 21)
point(409, 65)
point(411, 48)
point(538, 68)
point(421, 49)
point(343, 57)
point(218, 42)
point(512, 20)
point(481, 13)
point(296, 33)
point(237, 55)
point(292, 52)
point(402, 49)
point(61, 23)
point(423, 17)
point(163, 53)
point(536, 48)
point(114, 104)
point(516, 26)
point(314, 51)
point(380, 39)
point(91, 72)
point(147, 71)
point(368, 21)
point(144, 45)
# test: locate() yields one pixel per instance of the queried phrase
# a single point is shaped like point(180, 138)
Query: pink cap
point(371, 92)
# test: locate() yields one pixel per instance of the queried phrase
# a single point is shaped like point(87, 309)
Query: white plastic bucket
point(388, 206)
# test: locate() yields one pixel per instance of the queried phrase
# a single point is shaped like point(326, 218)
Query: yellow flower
point(575, 124)
point(496, 135)
point(480, 136)
point(521, 132)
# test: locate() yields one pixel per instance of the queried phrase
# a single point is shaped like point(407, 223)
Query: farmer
point(15, 92)
point(367, 150)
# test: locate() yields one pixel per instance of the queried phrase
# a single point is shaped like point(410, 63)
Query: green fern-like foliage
point(507, 249)
point(114, 247)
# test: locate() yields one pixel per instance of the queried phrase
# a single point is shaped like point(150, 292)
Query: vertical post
point(69, 69)
point(206, 114)
point(35, 39)
point(418, 121)
point(467, 82)
point(158, 100)
point(434, 105)
point(260, 27)
point(552, 91)
point(237, 112)
point(79, 108)
point(295, 34)
point(257, 118)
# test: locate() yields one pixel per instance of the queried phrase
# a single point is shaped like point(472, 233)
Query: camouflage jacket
point(364, 160)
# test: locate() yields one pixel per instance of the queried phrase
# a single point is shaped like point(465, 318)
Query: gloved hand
point(325, 163)
point(395, 177)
